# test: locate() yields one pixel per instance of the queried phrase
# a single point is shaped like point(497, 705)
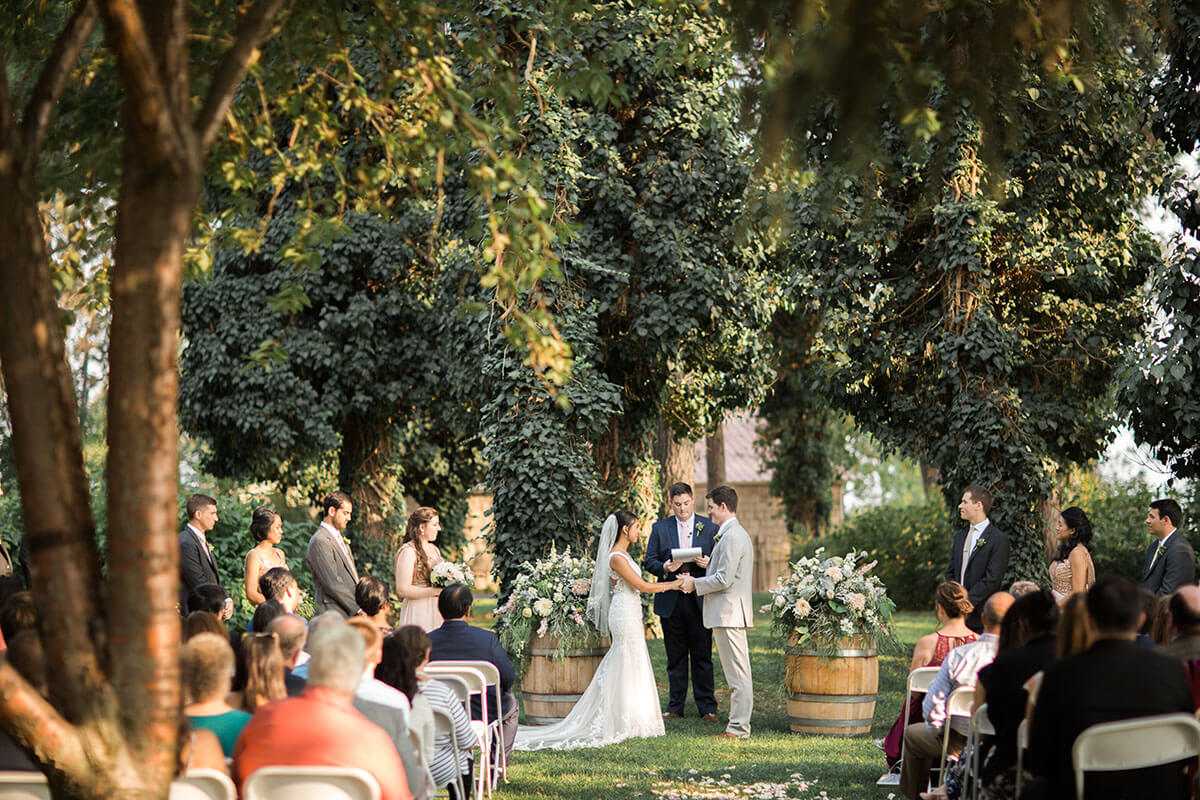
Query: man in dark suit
point(1170, 562)
point(979, 556)
point(329, 558)
point(197, 566)
point(1112, 680)
point(684, 635)
point(455, 640)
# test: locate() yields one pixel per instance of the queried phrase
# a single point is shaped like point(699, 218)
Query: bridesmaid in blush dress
point(1072, 570)
point(415, 560)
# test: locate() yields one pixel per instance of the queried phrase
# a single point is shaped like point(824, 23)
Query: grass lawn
point(688, 763)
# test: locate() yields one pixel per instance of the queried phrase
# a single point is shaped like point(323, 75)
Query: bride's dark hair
point(624, 519)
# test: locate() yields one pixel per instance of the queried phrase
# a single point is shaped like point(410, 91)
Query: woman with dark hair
point(405, 654)
point(1072, 570)
point(951, 605)
point(415, 560)
point(371, 594)
point(267, 529)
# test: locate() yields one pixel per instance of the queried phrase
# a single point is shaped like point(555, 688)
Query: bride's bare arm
point(624, 568)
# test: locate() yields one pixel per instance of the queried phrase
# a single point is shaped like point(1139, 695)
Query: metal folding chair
point(958, 704)
point(467, 682)
point(1134, 744)
point(491, 676)
point(918, 682)
point(443, 723)
point(981, 726)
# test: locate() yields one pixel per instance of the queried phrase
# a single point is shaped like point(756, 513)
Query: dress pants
point(735, 660)
point(687, 640)
point(922, 750)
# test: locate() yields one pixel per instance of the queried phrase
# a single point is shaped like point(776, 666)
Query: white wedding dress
point(621, 702)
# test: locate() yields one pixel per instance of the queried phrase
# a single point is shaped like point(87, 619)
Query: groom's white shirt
point(726, 586)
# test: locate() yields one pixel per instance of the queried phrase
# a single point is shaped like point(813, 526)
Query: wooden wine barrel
point(832, 696)
point(552, 685)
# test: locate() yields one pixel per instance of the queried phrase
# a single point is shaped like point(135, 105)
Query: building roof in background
point(742, 462)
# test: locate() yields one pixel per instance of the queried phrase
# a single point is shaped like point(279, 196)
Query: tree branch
point(35, 725)
point(251, 33)
point(150, 116)
point(53, 78)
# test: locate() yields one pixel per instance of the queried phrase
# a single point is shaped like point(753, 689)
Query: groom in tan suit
point(728, 605)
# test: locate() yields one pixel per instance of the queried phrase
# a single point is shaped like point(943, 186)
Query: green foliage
point(977, 326)
point(911, 544)
point(1160, 392)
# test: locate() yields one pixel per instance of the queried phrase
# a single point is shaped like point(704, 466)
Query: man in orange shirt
point(321, 727)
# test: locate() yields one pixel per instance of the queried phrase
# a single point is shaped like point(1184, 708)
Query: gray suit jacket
point(334, 575)
point(726, 588)
point(1174, 568)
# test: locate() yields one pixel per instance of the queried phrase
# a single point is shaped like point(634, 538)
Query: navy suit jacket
point(664, 537)
point(985, 567)
point(455, 640)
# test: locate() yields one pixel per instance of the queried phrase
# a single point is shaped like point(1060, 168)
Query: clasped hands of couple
point(687, 584)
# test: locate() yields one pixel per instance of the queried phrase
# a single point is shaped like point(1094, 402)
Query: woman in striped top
point(405, 654)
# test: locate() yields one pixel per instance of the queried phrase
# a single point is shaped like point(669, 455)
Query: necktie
point(685, 535)
point(966, 553)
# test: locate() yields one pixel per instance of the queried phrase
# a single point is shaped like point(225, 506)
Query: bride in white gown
point(621, 702)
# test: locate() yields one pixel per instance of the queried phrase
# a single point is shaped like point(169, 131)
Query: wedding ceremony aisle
point(689, 764)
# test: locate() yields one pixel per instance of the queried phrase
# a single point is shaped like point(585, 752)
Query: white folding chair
point(24, 786)
point(919, 681)
point(1134, 744)
point(310, 783)
point(958, 704)
point(464, 687)
point(443, 723)
point(202, 784)
point(1022, 746)
point(491, 677)
point(981, 726)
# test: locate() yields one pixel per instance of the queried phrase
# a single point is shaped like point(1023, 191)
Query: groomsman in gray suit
point(1169, 562)
point(330, 561)
point(728, 605)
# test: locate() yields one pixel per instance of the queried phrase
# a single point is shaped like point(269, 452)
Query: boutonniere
point(699, 527)
point(346, 541)
point(1162, 548)
point(980, 542)
point(717, 538)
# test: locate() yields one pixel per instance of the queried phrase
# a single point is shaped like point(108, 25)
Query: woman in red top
point(952, 607)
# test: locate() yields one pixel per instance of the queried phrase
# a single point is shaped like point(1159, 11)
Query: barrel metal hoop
point(797, 650)
point(831, 698)
point(539, 651)
point(550, 698)
point(829, 723)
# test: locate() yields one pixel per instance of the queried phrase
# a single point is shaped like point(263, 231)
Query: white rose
point(802, 608)
point(542, 606)
point(780, 600)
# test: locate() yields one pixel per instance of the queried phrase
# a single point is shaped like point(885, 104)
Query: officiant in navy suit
point(686, 639)
point(979, 556)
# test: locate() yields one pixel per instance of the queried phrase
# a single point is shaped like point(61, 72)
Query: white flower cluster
point(445, 573)
point(830, 597)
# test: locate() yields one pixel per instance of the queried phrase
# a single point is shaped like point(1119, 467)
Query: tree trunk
point(931, 481)
point(837, 507)
point(715, 448)
point(366, 472)
point(627, 471)
point(677, 462)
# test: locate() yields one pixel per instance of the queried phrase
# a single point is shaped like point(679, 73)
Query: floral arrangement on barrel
point(548, 598)
point(824, 600)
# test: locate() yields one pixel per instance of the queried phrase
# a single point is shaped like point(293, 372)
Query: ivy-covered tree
point(976, 323)
point(1161, 394)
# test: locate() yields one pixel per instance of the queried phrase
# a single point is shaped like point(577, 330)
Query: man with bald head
point(1184, 606)
point(293, 634)
point(923, 743)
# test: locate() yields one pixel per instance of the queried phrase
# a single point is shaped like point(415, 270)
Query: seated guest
point(9, 585)
point(18, 614)
point(206, 597)
point(1074, 627)
point(203, 622)
point(266, 612)
point(386, 706)
point(321, 727)
point(1183, 632)
point(371, 594)
point(263, 663)
point(206, 667)
point(27, 658)
point(278, 583)
point(199, 749)
point(314, 624)
point(1112, 680)
point(923, 743)
point(1026, 646)
point(951, 605)
point(455, 640)
point(1020, 588)
point(405, 654)
point(292, 633)
point(1146, 619)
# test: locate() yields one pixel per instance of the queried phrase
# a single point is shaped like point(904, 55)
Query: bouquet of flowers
point(549, 597)
point(823, 600)
point(445, 573)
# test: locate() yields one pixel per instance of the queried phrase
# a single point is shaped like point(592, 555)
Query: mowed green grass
point(689, 763)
